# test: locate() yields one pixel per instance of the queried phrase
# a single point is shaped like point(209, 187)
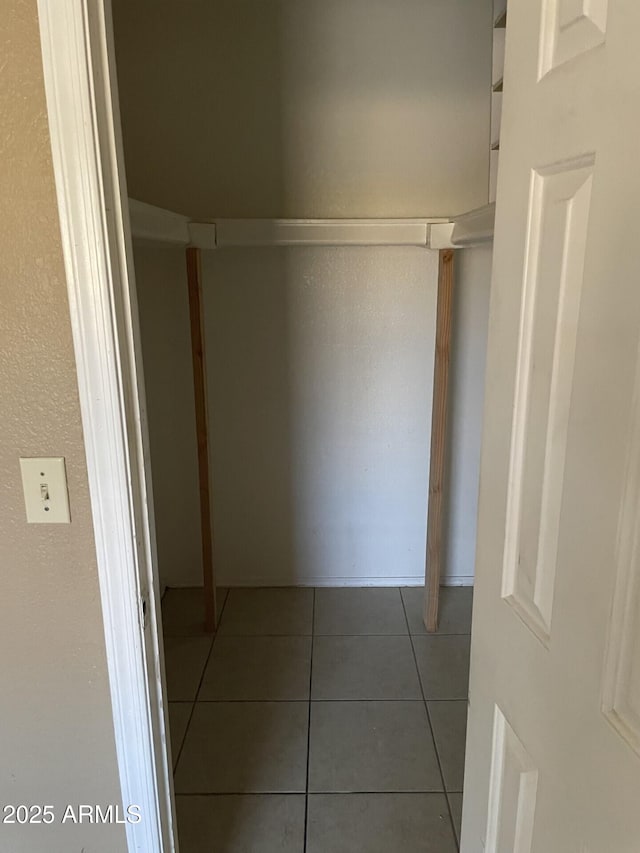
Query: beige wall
point(161, 285)
point(320, 368)
point(306, 108)
point(56, 733)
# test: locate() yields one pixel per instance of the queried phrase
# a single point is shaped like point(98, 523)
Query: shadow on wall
point(320, 368)
point(320, 360)
point(161, 287)
point(466, 401)
point(305, 108)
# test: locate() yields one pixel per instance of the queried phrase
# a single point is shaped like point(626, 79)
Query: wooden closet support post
point(438, 439)
point(194, 280)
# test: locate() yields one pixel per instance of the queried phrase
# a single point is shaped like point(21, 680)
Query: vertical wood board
point(194, 279)
point(438, 439)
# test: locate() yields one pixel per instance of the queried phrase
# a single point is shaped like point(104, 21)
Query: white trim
point(440, 235)
point(458, 580)
point(469, 229)
point(321, 581)
point(475, 227)
point(151, 224)
point(84, 122)
point(322, 232)
point(203, 235)
point(407, 580)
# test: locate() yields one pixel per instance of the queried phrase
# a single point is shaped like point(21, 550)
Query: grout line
point(456, 832)
point(394, 793)
point(224, 604)
point(255, 636)
point(265, 701)
point(195, 700)
point(301, 701)
point(433, 737)
point(317, 701)
point(306, 792)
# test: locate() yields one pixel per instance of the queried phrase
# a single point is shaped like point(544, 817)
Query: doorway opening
point(318, 692)
point(320, 362)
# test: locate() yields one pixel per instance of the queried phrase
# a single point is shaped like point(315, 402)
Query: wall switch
point(44, 482)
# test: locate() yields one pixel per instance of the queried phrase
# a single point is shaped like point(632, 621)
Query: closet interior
point(312, 188)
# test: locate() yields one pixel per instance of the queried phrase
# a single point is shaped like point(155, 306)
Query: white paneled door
point(553, 747)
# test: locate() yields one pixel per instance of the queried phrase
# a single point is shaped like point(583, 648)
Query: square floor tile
point(379, 823)
point(183, 611)
point(455, 801)
point(258, 668)
point(443, 663)
point(454, 616)
point(245, 747)
point(371, 746)
point(179, 713)
point(260, 823)
point(274, 610)
point(449, 721)
point(184, 660)
point(364, 668)
point(363, 610)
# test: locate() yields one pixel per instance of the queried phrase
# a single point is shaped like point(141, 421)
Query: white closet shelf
point(323, 232)
point(150, 224)
point(469, 229)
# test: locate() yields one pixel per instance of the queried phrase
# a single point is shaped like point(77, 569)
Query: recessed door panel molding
point(554, 262)
point(512, 791)
point(570, 28)
point(621, 695)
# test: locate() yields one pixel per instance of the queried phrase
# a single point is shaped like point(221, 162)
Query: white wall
point(161, 286)
point(306, 108)
point(280, 324)
point(320, 366)
point(469, 344)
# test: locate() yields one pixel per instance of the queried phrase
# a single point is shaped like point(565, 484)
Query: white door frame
point(84, 123)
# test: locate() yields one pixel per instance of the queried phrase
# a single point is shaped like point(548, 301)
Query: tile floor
point(324, 721)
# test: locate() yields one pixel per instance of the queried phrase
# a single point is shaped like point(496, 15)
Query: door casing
point(84, 123)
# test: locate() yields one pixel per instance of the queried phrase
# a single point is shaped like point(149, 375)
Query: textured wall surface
point(306, 108)
point(466, 398)
point(320, 368)
point(268, 443)
point(56, 731)
point(161, 284)
point(313, 108)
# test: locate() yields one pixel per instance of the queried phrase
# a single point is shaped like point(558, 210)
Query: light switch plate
point(44, 482)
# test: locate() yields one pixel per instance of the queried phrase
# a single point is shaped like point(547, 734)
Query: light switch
point(44, 482)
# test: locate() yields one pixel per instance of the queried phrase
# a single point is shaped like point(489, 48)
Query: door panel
point(621, 700)
point(513, 786)
point(570, 28)
point(553, 744)
point(556, 243)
